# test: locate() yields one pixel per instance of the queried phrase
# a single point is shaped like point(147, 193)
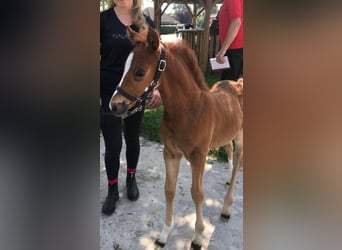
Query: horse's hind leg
point(172, 161)
point(197, 162)
point(237, 161)
point(229, 149)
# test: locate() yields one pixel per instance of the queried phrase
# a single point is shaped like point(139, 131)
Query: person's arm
point(231, 34)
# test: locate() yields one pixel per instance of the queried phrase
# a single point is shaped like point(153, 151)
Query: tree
point(103, 4)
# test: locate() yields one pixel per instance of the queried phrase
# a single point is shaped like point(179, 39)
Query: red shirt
point(231, 9)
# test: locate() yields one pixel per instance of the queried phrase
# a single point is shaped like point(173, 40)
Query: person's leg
point(111, 131)
point(131, 134)
point(235, 58)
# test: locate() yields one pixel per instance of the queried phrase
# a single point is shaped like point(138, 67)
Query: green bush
point(168, 29)
point(218, 154)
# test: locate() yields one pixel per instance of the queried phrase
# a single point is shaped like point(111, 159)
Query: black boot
point(108, 206)
point(132, 188)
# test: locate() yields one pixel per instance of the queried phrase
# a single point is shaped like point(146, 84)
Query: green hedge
point(168, 29)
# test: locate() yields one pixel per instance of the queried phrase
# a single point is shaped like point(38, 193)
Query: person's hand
point(156, 100)
point(219, 57)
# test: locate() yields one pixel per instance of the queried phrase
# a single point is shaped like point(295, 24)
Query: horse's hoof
point(158, 243)
point(195, 246)
point(225, 217)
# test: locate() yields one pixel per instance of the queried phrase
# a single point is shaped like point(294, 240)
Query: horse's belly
point(221, 140)
point(226, 131)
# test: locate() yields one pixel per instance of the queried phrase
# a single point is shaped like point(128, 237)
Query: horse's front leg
point(172, 162)
point(197, 162)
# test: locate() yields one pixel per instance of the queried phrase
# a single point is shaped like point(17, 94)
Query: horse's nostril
point(114, 107)
point(118, 108)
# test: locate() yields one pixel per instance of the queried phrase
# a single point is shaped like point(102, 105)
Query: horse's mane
point(182, 52)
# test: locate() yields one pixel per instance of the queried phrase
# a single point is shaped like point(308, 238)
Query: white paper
point(217, 66)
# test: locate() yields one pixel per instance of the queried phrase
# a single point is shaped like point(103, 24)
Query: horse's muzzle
point(119, 109)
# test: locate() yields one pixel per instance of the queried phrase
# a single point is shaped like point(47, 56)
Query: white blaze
point(126, 69)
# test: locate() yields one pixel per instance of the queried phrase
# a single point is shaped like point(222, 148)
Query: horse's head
point(139, 77)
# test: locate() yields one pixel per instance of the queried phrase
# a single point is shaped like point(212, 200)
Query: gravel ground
point(135, 225)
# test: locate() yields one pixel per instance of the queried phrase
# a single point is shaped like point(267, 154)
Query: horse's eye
point(140, 73)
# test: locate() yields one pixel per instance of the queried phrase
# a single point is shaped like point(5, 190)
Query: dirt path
point(135, 225)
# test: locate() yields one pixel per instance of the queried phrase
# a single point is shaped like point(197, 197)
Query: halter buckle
point(162, 65)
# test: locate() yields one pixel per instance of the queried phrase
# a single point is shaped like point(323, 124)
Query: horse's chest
point(185, 135)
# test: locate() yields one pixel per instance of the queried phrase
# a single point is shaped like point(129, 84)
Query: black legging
point(235, 57)
point(112, 128)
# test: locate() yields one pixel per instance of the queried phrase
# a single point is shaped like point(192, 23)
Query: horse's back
point(234, 88)
point(230, 88)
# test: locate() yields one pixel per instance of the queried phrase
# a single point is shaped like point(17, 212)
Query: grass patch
point(152, 117)
point(151, 123)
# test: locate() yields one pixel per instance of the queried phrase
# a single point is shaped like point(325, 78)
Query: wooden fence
point(194, 38)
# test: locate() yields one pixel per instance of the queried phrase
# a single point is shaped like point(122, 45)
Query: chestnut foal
point(195, 118)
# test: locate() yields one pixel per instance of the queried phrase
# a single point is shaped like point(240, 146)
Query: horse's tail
point(239, 84)
point(240, 81)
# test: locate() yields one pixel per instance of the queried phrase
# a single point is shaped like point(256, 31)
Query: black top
point(114, 49)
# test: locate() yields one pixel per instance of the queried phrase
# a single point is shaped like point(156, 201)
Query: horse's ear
point(153, 39)
point(137, 37)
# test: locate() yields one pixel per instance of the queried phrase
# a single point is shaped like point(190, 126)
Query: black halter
point(148, 91)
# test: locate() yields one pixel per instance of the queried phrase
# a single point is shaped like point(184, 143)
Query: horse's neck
point(179, 83)
point(178, 89)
